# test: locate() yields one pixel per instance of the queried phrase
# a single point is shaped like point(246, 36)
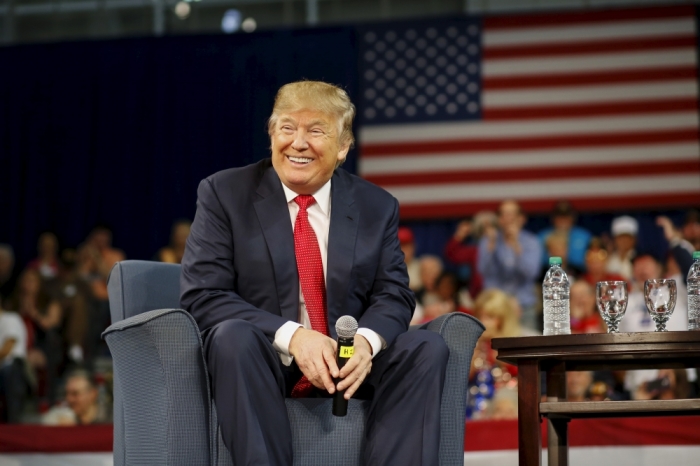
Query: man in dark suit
point(278, 251)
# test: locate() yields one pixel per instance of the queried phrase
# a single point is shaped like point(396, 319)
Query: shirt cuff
point(375, 340)
point(283, 336)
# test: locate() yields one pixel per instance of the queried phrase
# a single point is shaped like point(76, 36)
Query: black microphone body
point(346, 348)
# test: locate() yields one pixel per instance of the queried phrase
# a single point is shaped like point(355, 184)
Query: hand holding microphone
point(345, 327)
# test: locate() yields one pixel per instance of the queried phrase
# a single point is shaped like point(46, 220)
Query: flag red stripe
point(529, 143)
point(577, 79)
point(584, 110)
point(582, 204)
point(526, 21)
point(543, 173)
point(598, 47)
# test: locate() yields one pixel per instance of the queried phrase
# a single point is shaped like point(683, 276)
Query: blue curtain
point(121, 132)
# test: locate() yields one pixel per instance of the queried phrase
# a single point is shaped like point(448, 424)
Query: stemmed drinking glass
point(611, 298)
point(660, 298)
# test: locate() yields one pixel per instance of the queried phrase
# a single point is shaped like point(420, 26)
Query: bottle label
point(347, 351)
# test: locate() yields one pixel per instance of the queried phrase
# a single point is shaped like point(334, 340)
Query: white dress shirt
point(320, 220)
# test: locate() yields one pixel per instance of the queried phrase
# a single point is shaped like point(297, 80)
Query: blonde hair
point(496, 303)
point(316, 95)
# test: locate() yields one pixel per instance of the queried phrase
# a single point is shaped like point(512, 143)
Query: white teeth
point(300, 159)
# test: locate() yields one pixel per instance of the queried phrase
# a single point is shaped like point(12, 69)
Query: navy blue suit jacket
point(240, 264)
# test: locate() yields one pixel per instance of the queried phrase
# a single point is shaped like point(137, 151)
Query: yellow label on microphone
point(347, 351)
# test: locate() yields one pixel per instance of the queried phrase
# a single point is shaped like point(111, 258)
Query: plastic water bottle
point(555, 291)
point(694, 293)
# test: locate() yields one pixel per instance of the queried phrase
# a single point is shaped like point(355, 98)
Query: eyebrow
point(317, 122)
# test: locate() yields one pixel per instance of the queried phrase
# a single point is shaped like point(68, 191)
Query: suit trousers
point(249, 384)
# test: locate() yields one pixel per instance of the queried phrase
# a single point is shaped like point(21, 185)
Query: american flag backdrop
point(600, 108)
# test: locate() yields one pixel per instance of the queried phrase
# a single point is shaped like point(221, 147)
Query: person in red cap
point(408, 247)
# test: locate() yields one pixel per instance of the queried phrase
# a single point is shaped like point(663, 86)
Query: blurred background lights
point(249, 25)
point(231, 21)
point(182, 10)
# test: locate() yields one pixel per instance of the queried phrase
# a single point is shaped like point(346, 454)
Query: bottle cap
point(555, 260)
point(696, 255)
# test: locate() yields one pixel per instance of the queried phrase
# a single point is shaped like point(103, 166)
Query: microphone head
point(346, 327)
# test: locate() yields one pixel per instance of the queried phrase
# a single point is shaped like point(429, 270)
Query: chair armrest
point(161, 393)
point(460, 331)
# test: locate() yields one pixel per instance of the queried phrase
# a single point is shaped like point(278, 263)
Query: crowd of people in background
point(55, 369)
point(505, 267)
point(54, 366)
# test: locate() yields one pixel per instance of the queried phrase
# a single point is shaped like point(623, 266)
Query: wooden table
point(557, 354)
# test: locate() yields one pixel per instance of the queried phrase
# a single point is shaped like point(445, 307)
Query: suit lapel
point(273, 214)
point(341, 246)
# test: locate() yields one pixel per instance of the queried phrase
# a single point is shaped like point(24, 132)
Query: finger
point(350, 366)
point(329, 357)
point(360, 368)
point(353, 388)
point(324, 377)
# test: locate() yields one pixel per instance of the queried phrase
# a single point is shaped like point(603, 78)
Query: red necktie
point(311, 279)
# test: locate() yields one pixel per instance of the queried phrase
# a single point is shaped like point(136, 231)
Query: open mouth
point(299, 160)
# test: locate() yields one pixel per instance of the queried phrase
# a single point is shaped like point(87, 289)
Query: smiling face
point(306, 149)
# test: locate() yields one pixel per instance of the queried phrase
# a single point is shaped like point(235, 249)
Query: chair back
point(136, 287)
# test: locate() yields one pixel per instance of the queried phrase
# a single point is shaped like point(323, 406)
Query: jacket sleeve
point(208, 280)
point(391, 302)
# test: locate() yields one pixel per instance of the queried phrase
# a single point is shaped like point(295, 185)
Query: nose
point(299, 144)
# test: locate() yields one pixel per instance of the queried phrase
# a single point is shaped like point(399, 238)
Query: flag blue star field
point(600, 108)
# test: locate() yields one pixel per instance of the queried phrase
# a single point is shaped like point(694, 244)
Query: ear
point(343, 153)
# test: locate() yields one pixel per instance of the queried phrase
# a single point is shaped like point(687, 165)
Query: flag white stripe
point(447, 131)
point(576, 33)
point(589, 63)
point(543, 189)
point(401, 165)
point(624, 92)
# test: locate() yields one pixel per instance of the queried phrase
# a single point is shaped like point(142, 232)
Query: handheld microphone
point(346, 327)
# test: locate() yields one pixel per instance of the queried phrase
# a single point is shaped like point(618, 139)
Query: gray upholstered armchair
point(163, 414)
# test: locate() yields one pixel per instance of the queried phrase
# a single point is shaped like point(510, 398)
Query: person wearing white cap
point(624, 230)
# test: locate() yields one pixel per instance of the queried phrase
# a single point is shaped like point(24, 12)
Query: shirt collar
point(322, 196)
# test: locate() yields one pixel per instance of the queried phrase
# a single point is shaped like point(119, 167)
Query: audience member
point(670, 384)
point(46, 263)
point(96, 258)
point(82, 403)
point(42, 318)
point(691, 228)
point(576, 238)
point(13, 352)
point(74, 296)
point(464, 253)
point(556, 245)
point(577, 385)
point(178, 237)
point(8, 277)
point(504, 404)
point(495, 310)
point(408, 247)
point(596, 265)
point(584, 314)
point(624, 230)
point(509, 259)
point(637, 319)
point(680, 249)
point(451, 297)
point(430, 270)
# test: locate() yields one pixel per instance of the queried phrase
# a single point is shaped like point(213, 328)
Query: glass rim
point(659, 281)
point(612, 282)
